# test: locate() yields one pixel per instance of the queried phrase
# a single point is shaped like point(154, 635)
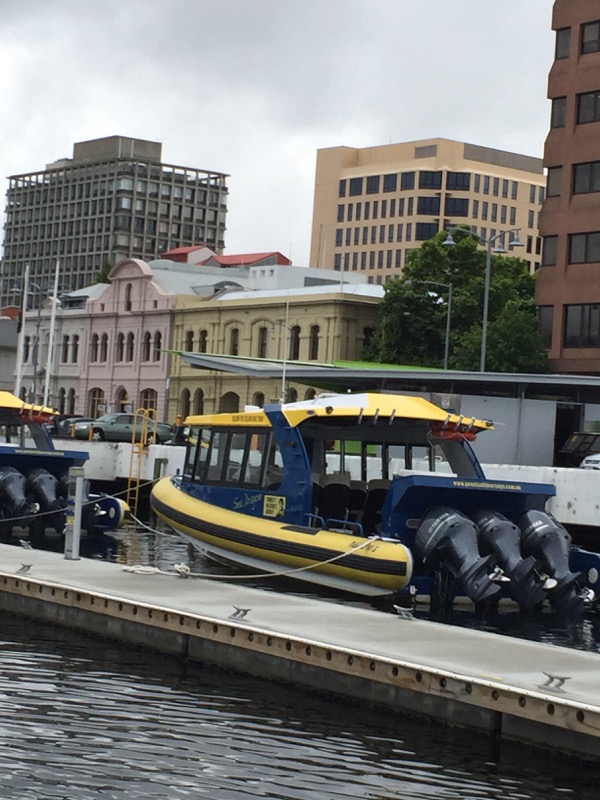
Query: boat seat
point(358, 495)
point(371, 514)
point(334, 496)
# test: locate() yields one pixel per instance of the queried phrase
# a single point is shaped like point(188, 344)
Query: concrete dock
point(510, 688)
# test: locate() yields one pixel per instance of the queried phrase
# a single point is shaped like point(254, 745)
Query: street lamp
point(514, 242)
point(448, 287)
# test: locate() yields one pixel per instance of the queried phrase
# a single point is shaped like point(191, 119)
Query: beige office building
point(372, 205)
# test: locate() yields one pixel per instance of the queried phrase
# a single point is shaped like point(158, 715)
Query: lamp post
point(514, 242)
point(448, 287)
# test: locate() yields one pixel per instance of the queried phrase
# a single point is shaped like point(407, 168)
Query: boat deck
point(511, 688)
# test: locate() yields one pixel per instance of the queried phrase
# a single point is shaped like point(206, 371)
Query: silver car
point(119, 427)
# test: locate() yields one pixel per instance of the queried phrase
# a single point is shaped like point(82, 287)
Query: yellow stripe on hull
point(375, 566)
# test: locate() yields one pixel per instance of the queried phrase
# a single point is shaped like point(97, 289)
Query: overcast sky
point(254, 88)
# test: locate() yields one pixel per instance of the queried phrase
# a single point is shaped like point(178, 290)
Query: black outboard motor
point(17, 508)
point(448, 538)
point(498, 535)
point(45, 488)
point(546, 539)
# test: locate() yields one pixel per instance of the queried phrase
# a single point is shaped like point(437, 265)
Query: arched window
point(62, 400)
point(258, 399)
point(157, 345)
point(104, 347)
point(75, 350)
point(185, 403)
point(313, 344)
point(294, 354)
point(149, 399)
point(189, 341)
point(147, 348)
point(234, 342)
point(198, 401)
point(96, 404)
point(129, 349)
point(310, 394)
point(71, 402)
point(128, 289)
point(122, 402)
point(263, 340)
point(229, 403)
point(291, 396)
point(120, 348)
point(64, 357)
point(202, 343)
point(94, 348)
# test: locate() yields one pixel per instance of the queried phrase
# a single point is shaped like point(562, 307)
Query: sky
point(254, 88)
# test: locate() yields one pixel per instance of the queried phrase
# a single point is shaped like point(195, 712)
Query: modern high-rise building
point(114, 199)
point(374, 204)
point(568, 286)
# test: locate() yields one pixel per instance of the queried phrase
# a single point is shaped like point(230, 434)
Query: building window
point(588, 107)
point(584, 248)
point(428, 205)
point(582, 326)
point(75, 350)
point(294, 353)
point(65, 349)
point(202, 341)
point(147, 345)
point(424, 231)
point(157, 346)
point(459, 181)
point(189, 342)
point(104, 348)
point(356, 186)
point(129, 348)
point(553, 181)
point(390, 182)
point(586, 177)
point(313, 345)
point(128, 290)
point(96, 404)
point(545, 321)
point(456, 206)
point(407, 181)
point(340, 214)
point(94, 348)
point(342, 188)
point(258, 399)
point(430, 180)
point(149, 400)
point(185, 404)
point(263, 338)
point(514, 190)
point(373, 184)
point(339, 237)
point(563, 43)
point(559, 112)
point(590, 37)
point(550, 250)
point(234, 342)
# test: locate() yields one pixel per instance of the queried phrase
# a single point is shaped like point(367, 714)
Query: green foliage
point(413, 312)
point(102, 276)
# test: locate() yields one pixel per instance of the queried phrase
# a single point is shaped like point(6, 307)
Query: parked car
point(63, 427)
point(591, 462)
point(118, 427)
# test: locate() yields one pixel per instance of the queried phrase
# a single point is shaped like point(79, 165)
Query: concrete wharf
point(513, 689)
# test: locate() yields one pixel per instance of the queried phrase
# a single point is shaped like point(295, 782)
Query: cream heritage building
point(372, 205)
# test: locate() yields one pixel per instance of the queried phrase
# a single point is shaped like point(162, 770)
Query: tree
point(102, 276)
point(413, 312)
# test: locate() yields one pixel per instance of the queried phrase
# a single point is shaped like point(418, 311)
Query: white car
point(591, 462)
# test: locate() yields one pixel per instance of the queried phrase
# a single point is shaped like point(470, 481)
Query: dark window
point(496, 187)
point(494, 217)
point(588, 107)
point(475, 208)
point(505, 188)
point(356, 186)
point(532, 194)
point(375, 209)
point(339, 237)
point(390, 182)
point(342, 189)
point(409, 208)
point(263, 338)
point(590, 37)
point(559, 112)
point(234, 342)
point(373, 182)
point(545, 320)
point(407, 181)
point(350, 209)
point(584, 248)
point(586, 177)
point(456, 207)
point(477, 183)
point(425, 230)
point(514, 190)
point(550, 251)
point(428, 205)
point(554, 181)
point(202, 343)
point(313, 343)
point(459, 181)
point(486, 184)
point(340, 214)
point(484, 209)
point(582, 326)
point(563, 43)
point(294, 352)
point(430, 180)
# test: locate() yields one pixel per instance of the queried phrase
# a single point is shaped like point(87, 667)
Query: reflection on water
point(84, 720)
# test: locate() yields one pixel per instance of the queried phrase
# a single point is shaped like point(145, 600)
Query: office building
point(113, 199)
point(373, 205)
point(568, 286)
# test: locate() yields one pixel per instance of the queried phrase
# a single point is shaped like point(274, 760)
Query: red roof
point(250, 258)
point(182, 250)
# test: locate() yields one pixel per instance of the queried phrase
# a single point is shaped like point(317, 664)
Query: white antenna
point(285, 347)
point(50, 361)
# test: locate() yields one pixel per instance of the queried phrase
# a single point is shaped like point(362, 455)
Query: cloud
point(254, 87)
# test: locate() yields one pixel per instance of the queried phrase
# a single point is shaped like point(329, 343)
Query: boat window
point(197, 450)
point(242, 458)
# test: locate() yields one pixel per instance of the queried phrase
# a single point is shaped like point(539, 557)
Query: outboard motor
point(448, 538)
point(498, 535)
point(45, 488)
point(17, 507)
point(546, 539)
